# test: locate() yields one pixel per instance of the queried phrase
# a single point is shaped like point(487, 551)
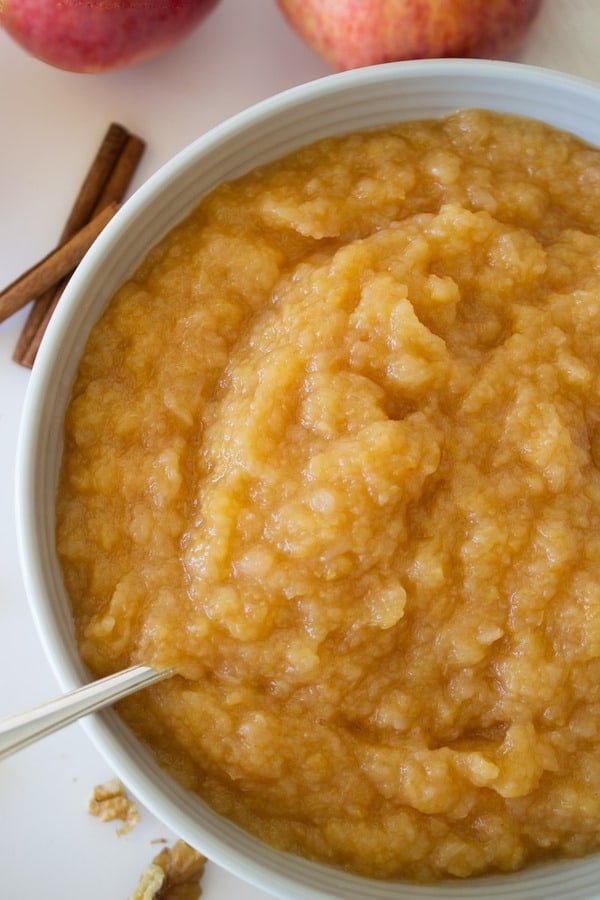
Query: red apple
point(97, 35)
point(353, 33)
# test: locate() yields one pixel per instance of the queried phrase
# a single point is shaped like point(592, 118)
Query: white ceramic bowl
point(339, 103)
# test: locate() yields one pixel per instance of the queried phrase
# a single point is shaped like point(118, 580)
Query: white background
point(51, 123)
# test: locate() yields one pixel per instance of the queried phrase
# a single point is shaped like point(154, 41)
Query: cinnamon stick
point(29, 349)
point(34, 321)
point(106, 182)
point(86, 202)
point(81, 212)
point(119, 179)
point(54, 266)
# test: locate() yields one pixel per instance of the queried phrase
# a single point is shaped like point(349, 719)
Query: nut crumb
point(109, 802)
point(174, 874)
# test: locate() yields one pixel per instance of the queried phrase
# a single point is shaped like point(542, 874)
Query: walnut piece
point(172, 875)
point(109, 802)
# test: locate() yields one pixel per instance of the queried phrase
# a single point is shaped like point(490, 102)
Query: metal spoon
point(21, 729)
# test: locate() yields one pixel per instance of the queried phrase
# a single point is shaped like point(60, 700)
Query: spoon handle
point(21, 729)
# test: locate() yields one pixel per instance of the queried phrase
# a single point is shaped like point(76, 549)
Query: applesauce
point(332, 453)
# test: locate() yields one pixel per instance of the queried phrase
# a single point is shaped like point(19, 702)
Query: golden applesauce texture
point(332, 453)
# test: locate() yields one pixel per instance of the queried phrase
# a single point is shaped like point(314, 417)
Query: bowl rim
point(231, 848)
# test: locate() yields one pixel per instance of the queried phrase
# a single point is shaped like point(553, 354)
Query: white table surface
point(51, 123)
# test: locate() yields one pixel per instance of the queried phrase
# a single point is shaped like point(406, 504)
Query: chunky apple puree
point(332, 453)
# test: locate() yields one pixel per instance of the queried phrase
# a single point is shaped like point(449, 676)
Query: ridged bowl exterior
point(346, 102)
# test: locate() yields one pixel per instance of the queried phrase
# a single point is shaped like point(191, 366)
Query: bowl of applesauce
point(324, 438)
